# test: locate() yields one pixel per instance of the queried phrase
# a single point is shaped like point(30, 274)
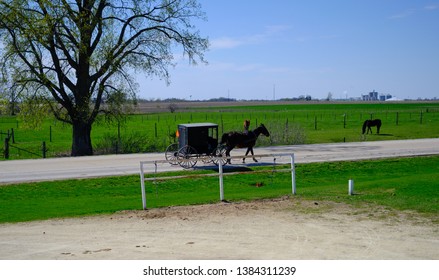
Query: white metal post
point(293, 174)
point(221, 183)
point(142, 186)
point(351, 187)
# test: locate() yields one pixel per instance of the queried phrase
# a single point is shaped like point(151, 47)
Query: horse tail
point(364, 126)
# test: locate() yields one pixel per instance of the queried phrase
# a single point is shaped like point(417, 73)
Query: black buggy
point(196, 141)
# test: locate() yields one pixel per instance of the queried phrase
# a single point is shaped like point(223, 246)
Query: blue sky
point(283, 49)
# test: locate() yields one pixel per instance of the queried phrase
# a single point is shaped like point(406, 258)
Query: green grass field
point(288, 124)
point(400, 184)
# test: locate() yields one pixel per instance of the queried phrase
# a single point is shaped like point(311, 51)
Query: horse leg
point(228, 155)
point(251, 150)
point(369, 129)
point(378, 129)
point(246, 153)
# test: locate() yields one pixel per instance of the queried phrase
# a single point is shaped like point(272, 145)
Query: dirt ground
point(286, 228)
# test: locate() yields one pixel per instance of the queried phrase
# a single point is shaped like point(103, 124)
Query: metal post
point(293, 174)
point(142, 186)
point(221, 183)
point(351, 187)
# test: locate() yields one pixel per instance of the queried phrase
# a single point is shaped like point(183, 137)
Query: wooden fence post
point(344, 120)
point(6, 150)
point(44, 150)
point(119, 141)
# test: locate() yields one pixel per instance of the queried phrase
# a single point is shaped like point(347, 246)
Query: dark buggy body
point(195, 141)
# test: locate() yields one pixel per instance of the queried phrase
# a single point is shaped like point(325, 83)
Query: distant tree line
point(300, 98)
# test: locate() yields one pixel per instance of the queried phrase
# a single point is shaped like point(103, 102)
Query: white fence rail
point(220, 174)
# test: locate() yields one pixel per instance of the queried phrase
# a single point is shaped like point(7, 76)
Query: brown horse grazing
point(243, 140)
point(369, 124)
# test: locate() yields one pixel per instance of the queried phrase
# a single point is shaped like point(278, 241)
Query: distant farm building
point(375, 96)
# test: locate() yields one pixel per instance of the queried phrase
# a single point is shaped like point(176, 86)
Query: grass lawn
point(400, 183)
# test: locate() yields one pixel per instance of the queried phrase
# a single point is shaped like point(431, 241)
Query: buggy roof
point(199, 125)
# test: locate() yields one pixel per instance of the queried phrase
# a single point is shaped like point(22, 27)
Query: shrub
point(131, 143)
point(283, 134)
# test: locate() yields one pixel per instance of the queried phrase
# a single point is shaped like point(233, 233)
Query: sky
point(289, 48)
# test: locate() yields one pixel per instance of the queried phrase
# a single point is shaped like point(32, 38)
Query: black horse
point(369, 124)
point(243, 140)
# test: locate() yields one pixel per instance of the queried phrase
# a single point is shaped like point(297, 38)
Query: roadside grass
point(401, 184)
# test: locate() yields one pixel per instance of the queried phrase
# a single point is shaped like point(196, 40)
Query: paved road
point(14, 171)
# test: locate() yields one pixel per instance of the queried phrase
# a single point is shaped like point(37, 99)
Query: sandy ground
point(286, 228)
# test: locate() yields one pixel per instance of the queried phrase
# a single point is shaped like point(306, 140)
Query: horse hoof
point(255, 160)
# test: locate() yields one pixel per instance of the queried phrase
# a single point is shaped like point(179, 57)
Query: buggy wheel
point(171, 154)
point(206, 159)
point(219, 155)
point(187, 157)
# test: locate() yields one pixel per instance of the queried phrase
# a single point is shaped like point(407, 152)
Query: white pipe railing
point(220, 172)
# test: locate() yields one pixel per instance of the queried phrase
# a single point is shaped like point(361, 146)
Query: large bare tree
point(76, 54)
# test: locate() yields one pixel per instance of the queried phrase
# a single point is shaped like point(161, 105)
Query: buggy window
point(213, 132)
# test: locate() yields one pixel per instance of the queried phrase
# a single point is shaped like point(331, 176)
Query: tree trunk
point(81, 145)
